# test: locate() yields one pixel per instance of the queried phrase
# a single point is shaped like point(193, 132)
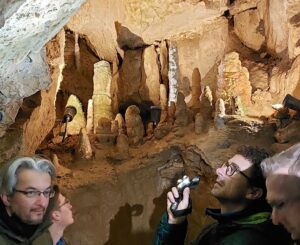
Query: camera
point(181, 185)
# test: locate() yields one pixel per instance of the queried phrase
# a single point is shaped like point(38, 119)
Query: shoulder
point(5, 240)
point(259, 234)
point(43, 238)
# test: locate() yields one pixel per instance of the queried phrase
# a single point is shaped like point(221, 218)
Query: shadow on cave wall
point(121, 225)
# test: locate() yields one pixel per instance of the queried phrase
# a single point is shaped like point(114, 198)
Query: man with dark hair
point(26, 188)
point(282, 173)
point(244, 215)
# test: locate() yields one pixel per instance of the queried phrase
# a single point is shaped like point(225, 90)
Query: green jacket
point(241, 228)
point(8, 236)
point(40, 237)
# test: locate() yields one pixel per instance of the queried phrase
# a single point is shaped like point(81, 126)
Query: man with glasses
point(61, 216)
point(282, 173)
point(26, 188)
point(244, 215)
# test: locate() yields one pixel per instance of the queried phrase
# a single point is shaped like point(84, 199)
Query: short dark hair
point(255, 155)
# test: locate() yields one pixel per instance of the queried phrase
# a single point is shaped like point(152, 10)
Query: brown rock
point(291, 133)
point(134, 125)
point(196, 90)
point(181, 114)
point(233, 81)
point(163, 58)
point(84, 149)
point(250, 20)
point(150, 83)
point(130, 76)
point(61, 171)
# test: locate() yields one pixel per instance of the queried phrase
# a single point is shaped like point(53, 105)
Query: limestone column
point(173, 73)
point(102, 98)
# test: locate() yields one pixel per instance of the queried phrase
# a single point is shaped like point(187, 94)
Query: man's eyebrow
point(35, 189)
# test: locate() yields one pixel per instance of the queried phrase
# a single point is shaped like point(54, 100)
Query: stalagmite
point(77, 53)
point(89, 123)
point(102, 102)
point(219, 119)
point(121, 123)
point(233, 80)
point(206, 106)
point(78, 122)
point(84, 149)
point(104, 132)
point(134, 125)
point(60, 170)
point(173, 73)
point(196, 89)
point(181, 114)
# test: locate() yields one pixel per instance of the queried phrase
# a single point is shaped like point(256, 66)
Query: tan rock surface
point(150, 81)
point(250, 20)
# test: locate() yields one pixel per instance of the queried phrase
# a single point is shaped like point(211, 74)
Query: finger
point(185, 200)
point(171, 197)
point(175, 192)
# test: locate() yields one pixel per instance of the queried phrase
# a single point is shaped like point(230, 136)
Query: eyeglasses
point(231, 168)
point(34, 193)
point(67, 201)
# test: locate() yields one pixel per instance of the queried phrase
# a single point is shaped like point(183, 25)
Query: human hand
point(172, 197)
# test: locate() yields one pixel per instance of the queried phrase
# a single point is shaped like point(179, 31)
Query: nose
point(276, 217)
point(42, 200)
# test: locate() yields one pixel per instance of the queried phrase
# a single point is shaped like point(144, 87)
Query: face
point(283, 194)
point(232, 188)
point(63, 214)
point(30, 210)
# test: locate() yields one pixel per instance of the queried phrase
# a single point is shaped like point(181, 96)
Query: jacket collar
point(246, 216)
point(13, 227)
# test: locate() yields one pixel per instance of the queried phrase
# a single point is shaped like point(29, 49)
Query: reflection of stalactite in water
point(173, 73)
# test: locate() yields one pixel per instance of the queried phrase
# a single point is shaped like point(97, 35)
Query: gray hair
point(288, 159)
point(9, 172)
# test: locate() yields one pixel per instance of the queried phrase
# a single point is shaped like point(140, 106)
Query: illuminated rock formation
point(102, 102)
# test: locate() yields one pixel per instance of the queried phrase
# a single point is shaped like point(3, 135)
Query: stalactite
point(77, 52)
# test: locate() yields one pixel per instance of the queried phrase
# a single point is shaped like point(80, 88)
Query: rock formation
point(233, 80)
point(102, 102)
point(84, 149)
point(134, 125)
point(74, 127)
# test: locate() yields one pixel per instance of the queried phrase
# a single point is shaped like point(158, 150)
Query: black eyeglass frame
point(35, 193)
point(236, 169)
point(67, 201)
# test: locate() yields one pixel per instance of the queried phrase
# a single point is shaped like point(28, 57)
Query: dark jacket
point(241, 228)
point(13, 231)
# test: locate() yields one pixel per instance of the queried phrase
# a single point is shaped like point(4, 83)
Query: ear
point(56, 215)
point(254, 193)
point(5, 199)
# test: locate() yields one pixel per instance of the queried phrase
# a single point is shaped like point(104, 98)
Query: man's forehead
point(242, 162)
point(32, 177)
point(281, 186)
